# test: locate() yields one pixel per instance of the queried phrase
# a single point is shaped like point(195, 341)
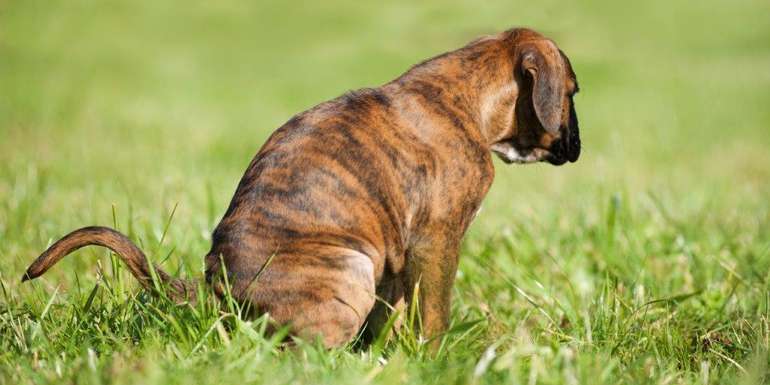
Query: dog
point(359, 204)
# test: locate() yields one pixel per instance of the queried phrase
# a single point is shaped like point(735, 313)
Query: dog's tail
point(176, 289)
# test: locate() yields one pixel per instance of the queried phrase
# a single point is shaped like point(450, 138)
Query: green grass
point(648, 261)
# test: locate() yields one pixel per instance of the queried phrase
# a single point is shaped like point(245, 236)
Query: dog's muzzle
point(561, 151)
point(565, 149)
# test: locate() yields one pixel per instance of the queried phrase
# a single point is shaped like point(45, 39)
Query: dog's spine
point(132, 256)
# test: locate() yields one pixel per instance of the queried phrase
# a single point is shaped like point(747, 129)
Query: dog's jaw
point(509, 154)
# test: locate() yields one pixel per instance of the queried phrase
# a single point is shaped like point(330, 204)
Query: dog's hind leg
point(326, 295)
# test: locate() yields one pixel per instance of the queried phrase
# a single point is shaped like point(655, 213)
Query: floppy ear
point(547, 87)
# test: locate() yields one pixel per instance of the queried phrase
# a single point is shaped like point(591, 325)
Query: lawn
point(648, 261)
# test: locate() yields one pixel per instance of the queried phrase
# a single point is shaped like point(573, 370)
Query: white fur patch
point(510, 155)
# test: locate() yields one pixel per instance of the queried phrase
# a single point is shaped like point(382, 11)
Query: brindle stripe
point(354, 162)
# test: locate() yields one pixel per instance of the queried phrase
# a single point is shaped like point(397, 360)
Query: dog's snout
point(566, 148)
point(573, 145)
point(573, 135)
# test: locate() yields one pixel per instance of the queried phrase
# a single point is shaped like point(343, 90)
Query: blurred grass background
point(135, 107)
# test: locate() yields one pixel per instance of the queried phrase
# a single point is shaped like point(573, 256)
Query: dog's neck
point(475, 81)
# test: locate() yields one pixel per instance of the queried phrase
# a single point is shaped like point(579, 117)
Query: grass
point(645, 262)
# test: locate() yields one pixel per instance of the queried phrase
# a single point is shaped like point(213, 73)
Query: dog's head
point(544, 125)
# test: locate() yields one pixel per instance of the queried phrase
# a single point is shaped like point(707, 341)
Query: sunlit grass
point(645, 262)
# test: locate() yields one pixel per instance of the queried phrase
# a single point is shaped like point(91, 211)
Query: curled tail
point(132, 256)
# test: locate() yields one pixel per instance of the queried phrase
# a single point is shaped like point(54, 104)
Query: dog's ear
point(547, 86)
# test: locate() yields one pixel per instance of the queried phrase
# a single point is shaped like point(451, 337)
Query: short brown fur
point(369, 194)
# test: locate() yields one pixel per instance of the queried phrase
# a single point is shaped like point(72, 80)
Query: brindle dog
point(368, 196)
